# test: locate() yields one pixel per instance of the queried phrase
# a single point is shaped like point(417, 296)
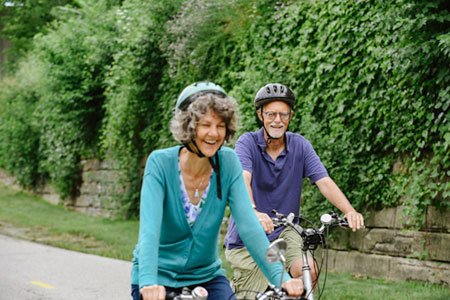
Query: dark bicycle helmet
point(274, 91)
point(192, 91)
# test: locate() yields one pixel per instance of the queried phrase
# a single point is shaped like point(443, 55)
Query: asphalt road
point(31, 271)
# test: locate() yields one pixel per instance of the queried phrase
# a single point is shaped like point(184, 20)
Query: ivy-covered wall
point(371, 80)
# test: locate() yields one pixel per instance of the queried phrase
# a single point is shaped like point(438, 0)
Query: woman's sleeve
point(250, 230)
point(151, 211)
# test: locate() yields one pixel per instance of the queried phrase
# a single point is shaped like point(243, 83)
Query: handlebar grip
point(343, 222)
point(171, 296)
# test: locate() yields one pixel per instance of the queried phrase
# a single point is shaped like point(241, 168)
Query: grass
point(29, 217)
point(345, 286)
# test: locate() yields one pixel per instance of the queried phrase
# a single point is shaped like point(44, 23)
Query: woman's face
point(210, 133)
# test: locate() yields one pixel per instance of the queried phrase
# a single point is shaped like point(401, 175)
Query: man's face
point(276, 116)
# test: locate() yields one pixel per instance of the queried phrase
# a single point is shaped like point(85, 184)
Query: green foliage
point(132, 85)
point(19, 133)
point(372, 85)
point(21, 20)
point(371, 79)
point(70, 109)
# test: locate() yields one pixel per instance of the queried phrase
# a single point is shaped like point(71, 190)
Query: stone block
point(108, 176)
point(95, 164)
point(89, 176)
point(388, 242)
point(407, 244)
point(437, 246)
point(376, 237)
point(339, 239)
point(437, 220)
point(402, 219)
point(361, 264)
point(90, 165)
point(413, 269)
point(109, 164)
point(109, 202)
point(86, 188)
point(358, 238)
point(385, 218)
point(51, 198)
point(115, 189)
point(101, 176)
point(88, 201)
point(383, 266)
point(322, 255)
point(9, 180)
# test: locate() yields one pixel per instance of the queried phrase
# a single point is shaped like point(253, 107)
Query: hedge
point(371, 80)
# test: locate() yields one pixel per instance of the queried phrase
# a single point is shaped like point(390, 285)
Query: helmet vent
point(274, 92)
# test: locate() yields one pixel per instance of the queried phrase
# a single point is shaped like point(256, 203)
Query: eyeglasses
point(271, 115)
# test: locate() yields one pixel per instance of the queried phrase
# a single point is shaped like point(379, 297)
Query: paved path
point(31, 271)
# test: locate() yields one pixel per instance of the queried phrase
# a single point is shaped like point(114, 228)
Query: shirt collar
point(262, 143)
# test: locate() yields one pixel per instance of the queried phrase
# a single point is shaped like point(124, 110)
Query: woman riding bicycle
point(184, 194)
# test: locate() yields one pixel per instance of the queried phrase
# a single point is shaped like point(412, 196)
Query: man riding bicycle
point(274, 162)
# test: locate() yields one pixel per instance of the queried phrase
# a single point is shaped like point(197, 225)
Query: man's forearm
point(333, 193)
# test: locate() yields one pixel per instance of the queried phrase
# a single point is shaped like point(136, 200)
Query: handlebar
point(312, 237)
point(327, 220)
point(274, 293)
point(198, 293)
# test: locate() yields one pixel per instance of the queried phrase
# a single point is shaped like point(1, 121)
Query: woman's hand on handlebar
point(266, 221)
point(355, 220)
point(153, 292)
point(294, 287)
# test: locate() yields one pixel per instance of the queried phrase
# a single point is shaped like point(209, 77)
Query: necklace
point(196, 194)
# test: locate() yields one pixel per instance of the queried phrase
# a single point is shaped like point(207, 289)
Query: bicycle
point(312, 238)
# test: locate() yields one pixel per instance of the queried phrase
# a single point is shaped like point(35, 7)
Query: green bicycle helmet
point(272, 92)
point(196, 89)
point(187, 96)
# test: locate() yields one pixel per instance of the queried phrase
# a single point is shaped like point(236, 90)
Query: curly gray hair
point(184, 122)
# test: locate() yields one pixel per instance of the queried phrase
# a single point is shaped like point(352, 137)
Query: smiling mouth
point(210, 142)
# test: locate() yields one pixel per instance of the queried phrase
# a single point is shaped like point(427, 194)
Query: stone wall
point(385, 249)
point(100, 188)
point(98, 192)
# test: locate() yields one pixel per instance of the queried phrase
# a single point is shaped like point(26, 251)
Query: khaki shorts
point(247, 277)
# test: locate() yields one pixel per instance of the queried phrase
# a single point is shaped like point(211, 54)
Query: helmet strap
point(214, 161)
point(192, 147)
point(269, 137)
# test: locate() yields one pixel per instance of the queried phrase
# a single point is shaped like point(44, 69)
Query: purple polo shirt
point(276, 184)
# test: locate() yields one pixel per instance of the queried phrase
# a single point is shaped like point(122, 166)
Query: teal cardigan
point(170, 252)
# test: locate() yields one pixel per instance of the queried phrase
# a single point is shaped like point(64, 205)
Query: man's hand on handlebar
point(294, 287)
point(266, 221)
point(355, 220)
point(153, 292)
